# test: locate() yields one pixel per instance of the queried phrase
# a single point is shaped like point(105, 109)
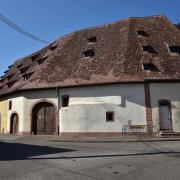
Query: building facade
point(120, 78)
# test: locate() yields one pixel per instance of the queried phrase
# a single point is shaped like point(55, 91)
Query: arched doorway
point(14, 124)
point(165, 115)
point(43, 119)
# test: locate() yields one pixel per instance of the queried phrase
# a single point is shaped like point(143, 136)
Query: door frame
point(56, 115)
point(12, 114)
point(164, 102)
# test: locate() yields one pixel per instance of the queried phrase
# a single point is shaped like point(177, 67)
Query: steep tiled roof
point(130, 50)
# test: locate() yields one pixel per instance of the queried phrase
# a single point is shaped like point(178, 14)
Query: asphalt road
point(44, 157)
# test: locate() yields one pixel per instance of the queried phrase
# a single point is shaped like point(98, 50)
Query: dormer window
point(149, 67)
point(92, 39)
point(174, 50)
point(35, 57)
point(52, 48)
point(23, 70)
point(149, 49)
point(27, 76)
point(10, 84)
point(42, 60)
point(142, 33)
point(89, 53)
point(19, 66)
point(10, 77)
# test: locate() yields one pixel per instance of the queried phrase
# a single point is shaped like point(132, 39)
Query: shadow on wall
point(17, 151)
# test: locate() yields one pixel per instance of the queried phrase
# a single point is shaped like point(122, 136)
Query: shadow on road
point(17, 151)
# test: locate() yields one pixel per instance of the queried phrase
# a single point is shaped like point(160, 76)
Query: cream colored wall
point(168, 91)
point(23, 103)
point(88, 106)
point(4, 115)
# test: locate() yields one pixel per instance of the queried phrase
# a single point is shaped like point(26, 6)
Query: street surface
point(53, 158)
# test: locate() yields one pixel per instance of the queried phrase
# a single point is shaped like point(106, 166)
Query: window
point(149, 49)
point(92, 39)
point(109, 116)
point(65, 101)
point(35, 57)
point(10, 105)
point(10, 84)
point(27, 76)
point(89, 53)
point(42, 60)
point(10, 77)
point(19, 66)
point(52, 48)
point(142, 33)
point(23, 70)
point(174, 49)
point(150, 67)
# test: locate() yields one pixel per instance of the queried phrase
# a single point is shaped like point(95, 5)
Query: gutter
point(58, 94)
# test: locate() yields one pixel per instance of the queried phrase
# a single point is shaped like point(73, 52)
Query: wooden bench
point(137, 126)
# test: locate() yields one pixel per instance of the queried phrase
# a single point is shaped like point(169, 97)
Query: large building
point(122, 77)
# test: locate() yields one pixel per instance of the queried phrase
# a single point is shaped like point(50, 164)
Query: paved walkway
point(93, 139)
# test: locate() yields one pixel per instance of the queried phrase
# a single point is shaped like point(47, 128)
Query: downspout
point(58, 94)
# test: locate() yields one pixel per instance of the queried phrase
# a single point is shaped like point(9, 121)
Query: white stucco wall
point(88, 106)
point(168, 91)
point(22, 104)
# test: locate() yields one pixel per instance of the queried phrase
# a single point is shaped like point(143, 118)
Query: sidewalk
point(126, 138)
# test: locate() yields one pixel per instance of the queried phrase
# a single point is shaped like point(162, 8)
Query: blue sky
point(50, 19)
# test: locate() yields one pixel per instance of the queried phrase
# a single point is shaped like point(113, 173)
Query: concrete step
point(168, 134)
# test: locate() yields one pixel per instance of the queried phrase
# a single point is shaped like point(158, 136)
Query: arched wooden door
point(14, 124)
point(43, 119)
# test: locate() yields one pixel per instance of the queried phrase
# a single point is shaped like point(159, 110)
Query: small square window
point(19, 66)
point(149, 49)
point(65, 101)
point(52, 48)
point(174, 49)
point(92, 39)
point(35, 57)
point(24, 69)
point(27, 76)
point(142, 33)
point(41, 60)
point(109, 116)
point(89, 53)
point(10, 105)
point(150, 67)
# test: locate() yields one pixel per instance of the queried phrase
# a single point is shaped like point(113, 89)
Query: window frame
point(65, 104)
point(10, 105)
point(89, 53)
point(107, 116)
point(92, 40)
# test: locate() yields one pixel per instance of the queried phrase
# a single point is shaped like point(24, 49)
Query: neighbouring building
point(122, 77)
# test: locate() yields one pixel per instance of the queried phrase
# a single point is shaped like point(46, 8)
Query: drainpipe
point(58, 94)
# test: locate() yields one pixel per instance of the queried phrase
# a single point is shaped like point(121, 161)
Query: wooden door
point(14, 124)
point(165, 117)
point(43, 119)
